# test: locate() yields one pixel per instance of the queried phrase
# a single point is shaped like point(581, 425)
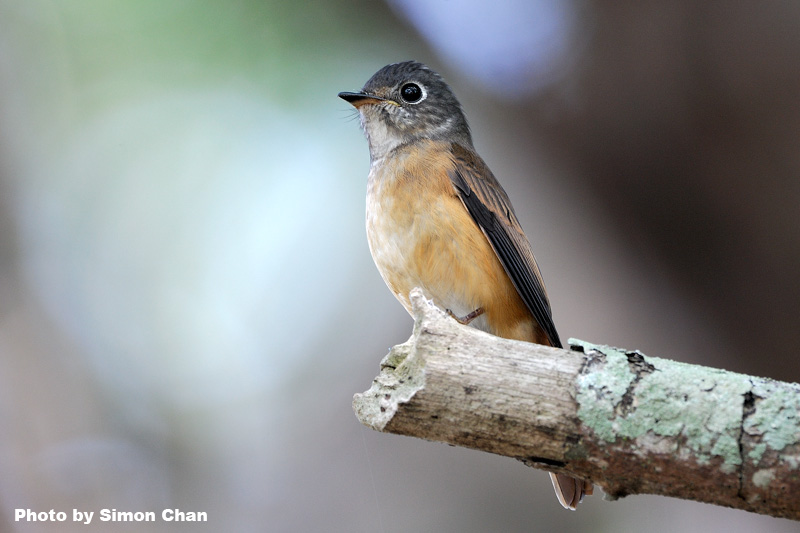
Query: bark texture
point(630, 423)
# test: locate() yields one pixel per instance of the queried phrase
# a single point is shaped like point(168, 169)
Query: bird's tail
point(570, 490)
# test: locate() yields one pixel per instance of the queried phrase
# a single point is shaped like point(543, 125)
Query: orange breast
point(421, 235)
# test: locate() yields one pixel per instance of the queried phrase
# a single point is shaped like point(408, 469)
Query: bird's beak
point(359, 99)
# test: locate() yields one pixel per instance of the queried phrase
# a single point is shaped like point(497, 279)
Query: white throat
point(381, 138)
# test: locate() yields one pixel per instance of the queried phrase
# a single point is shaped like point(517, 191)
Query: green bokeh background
point(187, 301)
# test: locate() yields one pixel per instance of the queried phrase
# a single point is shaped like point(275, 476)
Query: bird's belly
point(434, 244)
point(421, 249)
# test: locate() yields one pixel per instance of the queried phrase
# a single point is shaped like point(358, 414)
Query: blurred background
point(187, 301)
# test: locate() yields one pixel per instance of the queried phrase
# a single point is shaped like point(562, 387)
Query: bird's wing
point(489, 206)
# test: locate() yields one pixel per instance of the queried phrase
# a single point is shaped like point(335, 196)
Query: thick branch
point(632, 424)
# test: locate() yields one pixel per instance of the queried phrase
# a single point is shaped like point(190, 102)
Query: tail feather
point(570, 490)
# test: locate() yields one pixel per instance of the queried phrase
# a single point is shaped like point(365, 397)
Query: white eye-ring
point(412, 93)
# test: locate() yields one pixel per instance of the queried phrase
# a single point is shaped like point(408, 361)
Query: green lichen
point(792, 460)
point(689, 404)
point(725, 445)
point(776, 418)
point(757, 452)
point(762, 478)
point(600, 391)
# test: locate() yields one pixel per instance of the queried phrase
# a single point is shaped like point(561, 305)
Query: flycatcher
point(438, 219)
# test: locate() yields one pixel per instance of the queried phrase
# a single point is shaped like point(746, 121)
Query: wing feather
point(491, 209)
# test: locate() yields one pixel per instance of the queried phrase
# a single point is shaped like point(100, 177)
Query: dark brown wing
point(489, 206)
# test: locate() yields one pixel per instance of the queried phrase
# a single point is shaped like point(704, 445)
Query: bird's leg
point(466, 319)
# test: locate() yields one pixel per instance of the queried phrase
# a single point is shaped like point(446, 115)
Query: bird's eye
point(411, 93)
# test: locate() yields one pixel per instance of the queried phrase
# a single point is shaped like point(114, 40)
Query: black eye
point(411, 93)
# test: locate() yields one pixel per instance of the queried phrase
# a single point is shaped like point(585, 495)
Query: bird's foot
point(466, 319)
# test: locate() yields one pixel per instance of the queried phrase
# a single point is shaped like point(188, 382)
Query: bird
point(438, 219)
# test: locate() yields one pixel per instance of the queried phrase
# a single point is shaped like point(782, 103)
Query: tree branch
point(630, 423)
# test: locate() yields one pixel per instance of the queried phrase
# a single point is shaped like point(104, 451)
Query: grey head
point(406, 102)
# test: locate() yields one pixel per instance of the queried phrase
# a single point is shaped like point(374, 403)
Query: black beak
point(359, 99)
